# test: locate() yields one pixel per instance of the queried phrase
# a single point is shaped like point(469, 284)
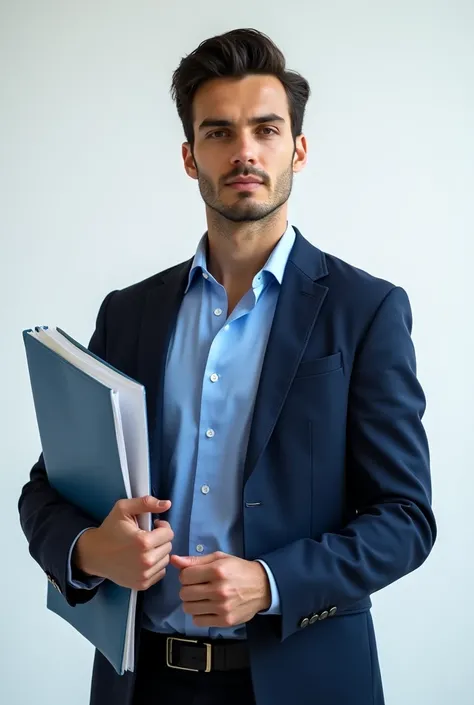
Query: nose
point(244, 152)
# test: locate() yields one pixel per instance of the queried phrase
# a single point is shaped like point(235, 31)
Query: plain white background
point(94, 197)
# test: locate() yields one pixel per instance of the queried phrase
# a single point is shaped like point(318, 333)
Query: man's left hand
point(221, 590)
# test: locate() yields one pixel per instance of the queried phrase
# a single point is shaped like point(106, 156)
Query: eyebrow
point(216, 122)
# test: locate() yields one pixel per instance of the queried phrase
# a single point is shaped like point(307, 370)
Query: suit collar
point(307, 258)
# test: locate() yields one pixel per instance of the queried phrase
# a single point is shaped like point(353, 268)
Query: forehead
point(239, 99)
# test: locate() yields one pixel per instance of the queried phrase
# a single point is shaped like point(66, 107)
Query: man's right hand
point(122, 552)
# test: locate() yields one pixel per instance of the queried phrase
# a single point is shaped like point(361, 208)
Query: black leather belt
point(201, 654)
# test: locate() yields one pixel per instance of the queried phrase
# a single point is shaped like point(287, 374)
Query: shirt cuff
point(275, 607)
point(89, 583)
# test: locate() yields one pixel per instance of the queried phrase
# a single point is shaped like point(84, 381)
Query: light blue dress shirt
point(211, 379)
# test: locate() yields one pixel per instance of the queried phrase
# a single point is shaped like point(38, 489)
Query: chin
point(244, 216)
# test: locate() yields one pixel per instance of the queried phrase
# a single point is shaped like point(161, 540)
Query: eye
point(216, 134)
point(270, 131)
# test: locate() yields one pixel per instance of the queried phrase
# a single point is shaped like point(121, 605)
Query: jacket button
point(332, 611)
point(323, 615)
point(304, 621)
point(314, 618)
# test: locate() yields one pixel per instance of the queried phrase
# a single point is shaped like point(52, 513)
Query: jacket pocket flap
point(319, 366)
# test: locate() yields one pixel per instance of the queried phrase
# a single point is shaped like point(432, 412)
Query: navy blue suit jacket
point(337, 488)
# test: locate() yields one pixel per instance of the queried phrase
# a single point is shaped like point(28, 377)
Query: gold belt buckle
point(169, 654)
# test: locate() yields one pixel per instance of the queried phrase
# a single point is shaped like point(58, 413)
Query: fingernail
point(162, 502)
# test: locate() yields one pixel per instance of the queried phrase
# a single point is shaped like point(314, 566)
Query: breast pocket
point(320, 366)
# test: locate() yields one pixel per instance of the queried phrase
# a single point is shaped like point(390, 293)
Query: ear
point(188, 160)
point(301, 154)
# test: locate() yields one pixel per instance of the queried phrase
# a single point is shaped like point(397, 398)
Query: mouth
point(245, 185)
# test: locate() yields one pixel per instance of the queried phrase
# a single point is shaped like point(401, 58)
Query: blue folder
point(78, 436)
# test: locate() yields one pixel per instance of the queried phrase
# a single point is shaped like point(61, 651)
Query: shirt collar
point(275, 264)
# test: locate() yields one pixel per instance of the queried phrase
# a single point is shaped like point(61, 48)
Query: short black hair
point(236, 54)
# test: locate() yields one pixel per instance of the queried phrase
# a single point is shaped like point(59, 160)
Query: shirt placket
point(207, 456)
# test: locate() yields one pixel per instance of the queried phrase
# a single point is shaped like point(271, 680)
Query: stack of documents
point(93, 428)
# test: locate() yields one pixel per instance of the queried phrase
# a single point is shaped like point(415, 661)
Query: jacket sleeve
point(50, 523)
point(387, 477)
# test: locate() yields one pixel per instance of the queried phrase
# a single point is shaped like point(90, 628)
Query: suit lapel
point(159, 316)
point(298, 306)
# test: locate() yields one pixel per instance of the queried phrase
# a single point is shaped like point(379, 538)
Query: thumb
point(143, 505)
point(187, 561)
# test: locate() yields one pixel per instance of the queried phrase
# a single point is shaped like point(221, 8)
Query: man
point(287, 449)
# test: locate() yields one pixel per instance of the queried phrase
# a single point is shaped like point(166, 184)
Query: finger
point(152, 573)
point(157, 554)
point(196, 575)
point(211, 620)
point(193, 593)
point(199, 607)
point(156, 537)
point(155, 578)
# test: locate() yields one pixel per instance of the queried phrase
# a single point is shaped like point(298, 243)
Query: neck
point(237, 251)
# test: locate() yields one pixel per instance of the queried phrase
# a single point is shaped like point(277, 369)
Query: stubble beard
point(245, 209)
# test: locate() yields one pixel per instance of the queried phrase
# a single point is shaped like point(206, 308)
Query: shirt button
point(214, 377)
point(217, 311)
point(205, 489)
point(200, 548)
point(210, 433)
point(205, 275)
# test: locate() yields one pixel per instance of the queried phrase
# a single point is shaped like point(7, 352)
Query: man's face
point(242, 132)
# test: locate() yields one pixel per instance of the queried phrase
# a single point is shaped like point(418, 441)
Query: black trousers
point(158, 684)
